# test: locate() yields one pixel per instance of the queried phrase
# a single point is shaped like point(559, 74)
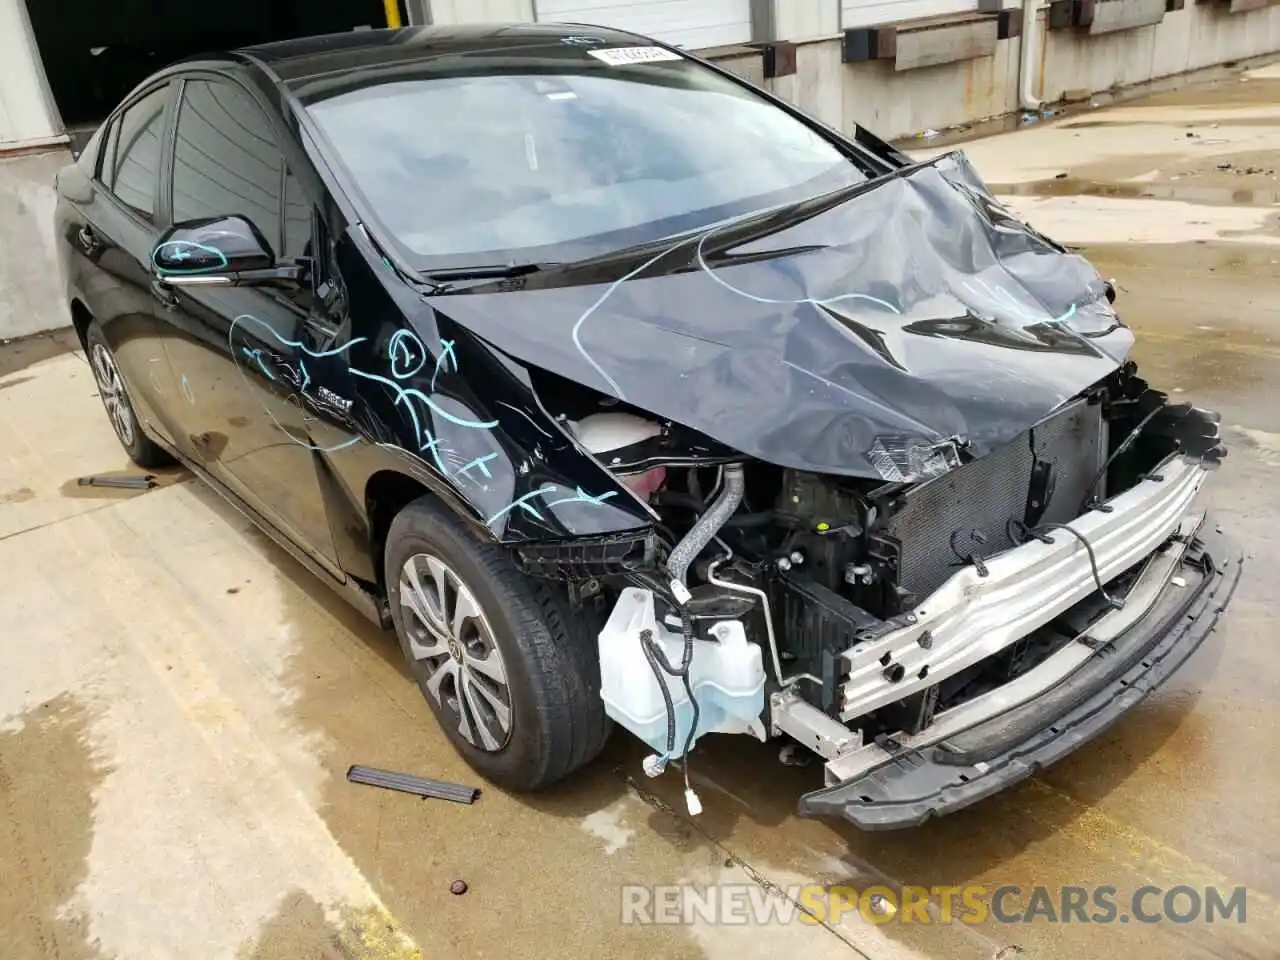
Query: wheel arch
point(81, 317)
point(386, 493)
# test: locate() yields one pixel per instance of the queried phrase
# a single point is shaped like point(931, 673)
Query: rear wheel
point(142, 449)
point(510, 674)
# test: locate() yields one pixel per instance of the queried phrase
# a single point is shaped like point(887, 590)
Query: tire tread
point(558, 646)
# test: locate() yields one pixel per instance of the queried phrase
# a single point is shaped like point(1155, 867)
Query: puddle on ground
point(298, 929)
point(1200, 313)
point(1231, 92)
point(1211, 123)
point(47, 778)
point(1206, 194)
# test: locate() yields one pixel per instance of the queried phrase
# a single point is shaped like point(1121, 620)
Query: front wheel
point(142, 449)
point(511, 675)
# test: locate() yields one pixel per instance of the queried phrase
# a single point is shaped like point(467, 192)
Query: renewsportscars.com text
point(974, 904)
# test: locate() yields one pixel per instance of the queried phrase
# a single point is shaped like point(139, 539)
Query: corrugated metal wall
point(687, 23)
point(479, 11)
point(866, 13)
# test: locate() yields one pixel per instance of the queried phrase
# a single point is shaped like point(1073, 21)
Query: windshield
point(568, 158)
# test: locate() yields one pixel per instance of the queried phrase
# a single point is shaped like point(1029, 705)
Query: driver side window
point(226, 160)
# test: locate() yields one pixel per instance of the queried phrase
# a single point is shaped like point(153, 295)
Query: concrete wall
point(27, 113)
point(1195, 37)
point(899, 104)
point(31, 294)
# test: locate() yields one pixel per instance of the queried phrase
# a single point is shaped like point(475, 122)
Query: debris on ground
point(127, 482)
point(407, 783)
point(458, 887)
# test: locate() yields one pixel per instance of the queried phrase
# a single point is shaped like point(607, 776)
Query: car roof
point(297, 62)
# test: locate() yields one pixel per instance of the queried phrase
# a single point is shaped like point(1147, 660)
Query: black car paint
point(368, 378)
point(910, 313)
point(298, 405)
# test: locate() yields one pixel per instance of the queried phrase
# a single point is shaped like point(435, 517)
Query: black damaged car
point(626, 393)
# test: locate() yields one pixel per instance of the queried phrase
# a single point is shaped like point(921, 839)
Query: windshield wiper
point(493, 271)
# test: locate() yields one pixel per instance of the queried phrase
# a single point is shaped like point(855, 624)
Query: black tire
point(142, 450)
point(552, 671)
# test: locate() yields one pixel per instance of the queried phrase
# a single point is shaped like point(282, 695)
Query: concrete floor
point(179, 701)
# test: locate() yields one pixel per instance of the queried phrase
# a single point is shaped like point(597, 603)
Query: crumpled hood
point(874, 335)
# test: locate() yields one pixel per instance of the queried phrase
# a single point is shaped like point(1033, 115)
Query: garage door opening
point(94, 53)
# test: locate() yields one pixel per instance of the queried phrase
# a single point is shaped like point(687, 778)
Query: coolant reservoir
point(727, 677)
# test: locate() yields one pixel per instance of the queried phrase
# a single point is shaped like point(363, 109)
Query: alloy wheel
point(450, 637)
point(111, 389)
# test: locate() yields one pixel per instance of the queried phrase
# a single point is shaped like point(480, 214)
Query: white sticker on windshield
point(624, 56)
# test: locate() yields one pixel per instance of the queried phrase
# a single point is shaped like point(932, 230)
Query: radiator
point(968, 510)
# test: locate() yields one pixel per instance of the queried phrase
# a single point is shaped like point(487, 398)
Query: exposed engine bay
point(891, 439)
point(774, 601)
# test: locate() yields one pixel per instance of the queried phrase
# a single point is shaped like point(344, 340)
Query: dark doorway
point(95, 52)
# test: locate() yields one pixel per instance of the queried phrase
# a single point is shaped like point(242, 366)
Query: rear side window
point(131, 157)
point(226, 159)
point(107, 159)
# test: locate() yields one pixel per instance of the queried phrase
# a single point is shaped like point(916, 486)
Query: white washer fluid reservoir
point(726, 674)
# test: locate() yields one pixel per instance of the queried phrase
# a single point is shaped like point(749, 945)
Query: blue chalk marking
point(577, 327)
point(479, 462)
point(433, 444)
point(701, 239)
point(337, 446)
point(306, 377)
point(256, 356)
point(404, 349)
point(446, 353)
point(407, 394)
point(1007, 301)
point(583, 497)
point(523, 504)
point(816, 301)
point(186, 390)
point(296, 344)
point(182, 251)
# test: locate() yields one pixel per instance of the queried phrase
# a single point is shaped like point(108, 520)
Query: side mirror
point(221, 251)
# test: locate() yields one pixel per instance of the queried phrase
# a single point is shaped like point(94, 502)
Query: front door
point(241, 356)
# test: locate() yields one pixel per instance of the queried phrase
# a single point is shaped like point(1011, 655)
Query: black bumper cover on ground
point(931, 781)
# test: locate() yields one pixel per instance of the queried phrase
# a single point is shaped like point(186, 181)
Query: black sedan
point(625, 392)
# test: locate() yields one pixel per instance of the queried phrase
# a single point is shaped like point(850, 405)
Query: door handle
point(88, 242)
point(164, 293)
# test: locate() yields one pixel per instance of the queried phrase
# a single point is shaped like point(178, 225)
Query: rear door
point(111, 236)
point(238, 352)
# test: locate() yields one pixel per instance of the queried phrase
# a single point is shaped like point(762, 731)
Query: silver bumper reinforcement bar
point(971, 617)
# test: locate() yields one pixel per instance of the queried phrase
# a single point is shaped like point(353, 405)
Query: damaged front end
point(912, 506)
point(931, 641)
